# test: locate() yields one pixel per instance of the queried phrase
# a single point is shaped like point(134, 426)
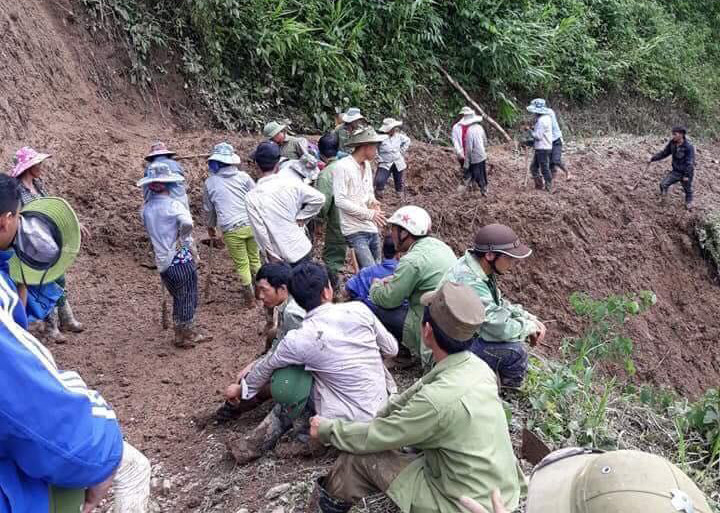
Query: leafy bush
point(249, 58)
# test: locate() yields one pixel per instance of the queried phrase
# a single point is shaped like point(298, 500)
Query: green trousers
point(334, 252)
point(244, 252)
point(66, 500)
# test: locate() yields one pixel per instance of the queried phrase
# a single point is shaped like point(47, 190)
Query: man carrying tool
point(332, 365)
point(452, 420)
point(424, 263)
point(576, 479)
point(334, 248)
point(224, 202)
point(278, 209)
point(542, 142)
point(683, 164)
point(273, 281)
point(291, 147)
point(500, 339)
point(167, 221)
point(360, 212)
point(352, 120)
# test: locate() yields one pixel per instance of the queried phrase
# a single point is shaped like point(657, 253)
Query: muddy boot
point(52, 328)
point(548, 187)
point(321, 501)
point(538, 183)
point(196, 336)
point(181, 338)
point(67, 319)
point(261, 439)
point(689, 206)
point(248, 296)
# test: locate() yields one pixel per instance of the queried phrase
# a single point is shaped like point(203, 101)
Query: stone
point(277, 491)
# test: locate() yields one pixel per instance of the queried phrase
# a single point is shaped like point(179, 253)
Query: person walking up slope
point(683, 164)
point(167, 221)
point(224, 202)
point(391, 157)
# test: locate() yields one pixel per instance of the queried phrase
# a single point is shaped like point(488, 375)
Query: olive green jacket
point(329, 212)
point(293, 148)
point(504, 321)
point(418, 271)
point(454, 415)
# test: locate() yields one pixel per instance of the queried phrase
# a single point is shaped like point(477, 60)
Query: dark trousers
point(478, 174)
point(383, 175)
point(393, 319)
point(556, 156)
point(304, 260)
point(509, 360)
point(541, 163)
point(678, 176)
point(181, 281)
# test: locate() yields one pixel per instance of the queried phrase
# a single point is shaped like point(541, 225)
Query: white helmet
point(414, 219)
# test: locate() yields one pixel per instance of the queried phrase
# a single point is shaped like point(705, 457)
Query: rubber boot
point(181, 338)
point(322, 502)
point(261, 439)
point(52, 329)
point(689, 206)
point(195, 335)
point(67, 319)
point(538, 182)
point(248, 295)
point(548, 186)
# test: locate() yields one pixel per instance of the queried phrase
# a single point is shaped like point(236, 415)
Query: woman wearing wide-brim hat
point(28, 169)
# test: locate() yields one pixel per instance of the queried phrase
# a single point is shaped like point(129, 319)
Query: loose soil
point(591, 234)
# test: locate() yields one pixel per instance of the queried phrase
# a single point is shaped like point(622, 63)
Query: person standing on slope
point(542, 143)
point(683, 164)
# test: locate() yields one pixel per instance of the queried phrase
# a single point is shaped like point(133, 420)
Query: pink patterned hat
point(25, 158)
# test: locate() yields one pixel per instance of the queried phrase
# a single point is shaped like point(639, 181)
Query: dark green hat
point(47, 242)
point(290, 386)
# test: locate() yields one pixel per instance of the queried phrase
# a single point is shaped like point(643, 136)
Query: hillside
point(62, 92)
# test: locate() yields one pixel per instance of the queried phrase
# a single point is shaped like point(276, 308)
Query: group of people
point(442, 443)
point(61, 446)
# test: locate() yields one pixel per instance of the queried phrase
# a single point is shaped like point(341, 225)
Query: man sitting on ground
point(500, 341)
point(452, 418)
point(358, 288)
point(273, 280)
point(332, 365)
point(420, 270)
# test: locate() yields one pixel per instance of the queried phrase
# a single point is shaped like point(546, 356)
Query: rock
point(166, 487)
point(243, 510)
point(279, 509)
point(277, 491)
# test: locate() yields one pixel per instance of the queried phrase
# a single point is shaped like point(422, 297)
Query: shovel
point(642, 175)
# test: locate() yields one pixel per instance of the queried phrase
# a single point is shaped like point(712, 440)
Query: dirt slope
point(57, 92)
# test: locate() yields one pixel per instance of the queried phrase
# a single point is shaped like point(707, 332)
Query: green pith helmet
point(290, 386)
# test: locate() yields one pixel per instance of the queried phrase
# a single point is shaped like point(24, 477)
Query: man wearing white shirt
point(277, 207)
point(542, 143)
point(360, 213)
point(556, 160)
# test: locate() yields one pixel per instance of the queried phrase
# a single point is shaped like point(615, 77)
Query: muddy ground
point(61, 91)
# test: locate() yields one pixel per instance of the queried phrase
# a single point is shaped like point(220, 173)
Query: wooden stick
point(472, 102)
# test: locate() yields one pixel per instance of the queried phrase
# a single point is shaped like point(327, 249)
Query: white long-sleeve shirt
point(354, 195)
point(167, 221)
point(457, 140)
point(224, 198)
point(542, 133)
point(274, 206)
point(343, 346)
point(475, 145)
point(392, 151)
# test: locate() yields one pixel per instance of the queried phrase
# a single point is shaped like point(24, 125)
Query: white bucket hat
point(352, 114)
point(466, 111)
point(388, 124)
point(469, 119)
point(159, 172)
point(225, 153)
point(537, 106)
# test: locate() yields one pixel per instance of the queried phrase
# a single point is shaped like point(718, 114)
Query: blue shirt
point(359, 285)
point(53, 429)
point(18, 310)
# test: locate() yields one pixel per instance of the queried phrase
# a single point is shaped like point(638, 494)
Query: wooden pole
point(472, 102)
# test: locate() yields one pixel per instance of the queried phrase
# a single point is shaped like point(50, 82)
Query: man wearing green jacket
point(500, 341)
point(420, 270)
point(452, 417)
point(335, 248)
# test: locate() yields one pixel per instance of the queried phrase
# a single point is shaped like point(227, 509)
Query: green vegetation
point(248, 58)
point(572, 403)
